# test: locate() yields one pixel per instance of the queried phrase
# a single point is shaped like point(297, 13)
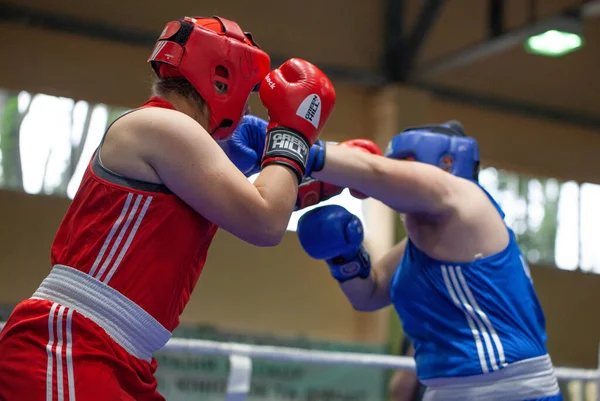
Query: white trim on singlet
point(120, 248)
point(524, 380)
point(478, 321)
point(482, 315)
point(470, 319)
point(111, 234)
point(123, 320)
point(132, 233)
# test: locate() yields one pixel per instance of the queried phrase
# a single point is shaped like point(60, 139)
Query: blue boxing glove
point(246, 146)
point(333, 234)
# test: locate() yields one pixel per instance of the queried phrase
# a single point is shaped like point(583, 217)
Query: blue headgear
point(444, 145)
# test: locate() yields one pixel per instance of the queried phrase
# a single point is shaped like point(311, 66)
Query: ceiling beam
point(393, 39)
point(414, 42)
point(496, 18)
point(478, 100)
point(97, 30)
point(493, 45)
point(36, 19)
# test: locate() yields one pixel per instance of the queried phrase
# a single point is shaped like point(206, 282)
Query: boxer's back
point(135, 237)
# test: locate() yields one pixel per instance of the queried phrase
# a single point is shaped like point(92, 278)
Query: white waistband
point(523, 380)
point(123, 320)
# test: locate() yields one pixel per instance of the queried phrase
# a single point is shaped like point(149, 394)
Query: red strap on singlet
point(156, 101)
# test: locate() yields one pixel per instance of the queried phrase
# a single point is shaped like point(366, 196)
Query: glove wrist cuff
point(345, 269)
point(287, 147)
point(316, 157)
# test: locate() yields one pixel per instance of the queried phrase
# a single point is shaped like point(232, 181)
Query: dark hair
point(456, 127)
point(180, 86)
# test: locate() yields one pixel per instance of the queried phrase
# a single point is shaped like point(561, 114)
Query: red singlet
point(126, 258)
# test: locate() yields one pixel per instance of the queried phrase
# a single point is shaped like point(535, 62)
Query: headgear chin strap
point(222, 62)
point(444, 145)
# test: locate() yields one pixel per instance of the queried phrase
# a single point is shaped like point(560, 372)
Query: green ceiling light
point(565, 36)
point(553, 43)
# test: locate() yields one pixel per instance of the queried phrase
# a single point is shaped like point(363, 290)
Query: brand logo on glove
point(269, 82)
point(283, 140)
point(350, 269)
point(310, 109)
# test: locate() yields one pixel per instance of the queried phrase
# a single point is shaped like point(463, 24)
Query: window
point(47, 141)
point(556, 223)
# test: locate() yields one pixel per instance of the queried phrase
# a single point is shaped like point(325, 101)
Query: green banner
point(188, 377)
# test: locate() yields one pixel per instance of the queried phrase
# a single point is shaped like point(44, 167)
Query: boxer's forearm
point(373, 293)
point(407, 187)
point(360, 292)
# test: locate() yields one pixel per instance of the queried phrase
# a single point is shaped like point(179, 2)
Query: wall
point(27, 227)
point(570, 301)
point(530, 146)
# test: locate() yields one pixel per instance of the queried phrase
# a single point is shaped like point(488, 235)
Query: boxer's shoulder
point(474, 226)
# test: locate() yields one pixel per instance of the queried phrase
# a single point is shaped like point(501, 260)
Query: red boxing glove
point(311, 192)
point(299, 99)
point(363, 145)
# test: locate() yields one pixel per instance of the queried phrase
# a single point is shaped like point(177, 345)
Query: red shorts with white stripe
point(53, 353)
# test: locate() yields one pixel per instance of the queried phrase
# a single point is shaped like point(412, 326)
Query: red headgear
point(221, 61)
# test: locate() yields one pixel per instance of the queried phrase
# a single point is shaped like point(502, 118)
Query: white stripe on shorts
point(61, 340)
point(49, 368)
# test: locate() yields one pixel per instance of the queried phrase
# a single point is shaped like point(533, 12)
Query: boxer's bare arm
point(447, 209)
point(407, 187)
point(373, 293)
point(179, 153)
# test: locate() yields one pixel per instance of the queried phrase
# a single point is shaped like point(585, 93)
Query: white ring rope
point(298, 355)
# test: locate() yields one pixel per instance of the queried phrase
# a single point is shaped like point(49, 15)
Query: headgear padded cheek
point(440, 146)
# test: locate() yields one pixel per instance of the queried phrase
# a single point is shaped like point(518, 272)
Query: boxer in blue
point(458, 281)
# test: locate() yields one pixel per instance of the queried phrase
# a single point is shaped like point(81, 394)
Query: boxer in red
point(133, 243)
